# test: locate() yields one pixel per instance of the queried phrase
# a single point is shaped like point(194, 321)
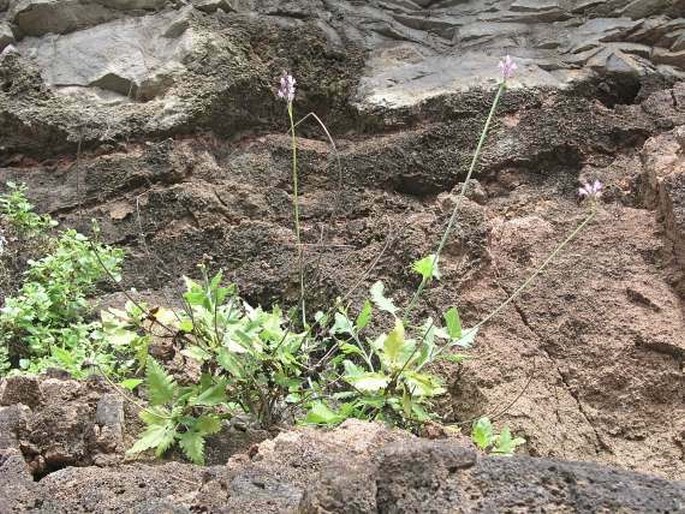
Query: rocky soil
point(159, 120)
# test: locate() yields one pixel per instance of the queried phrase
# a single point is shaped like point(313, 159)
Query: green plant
point(382, 375)
point(16, 208)
point(484, 436)
point(249, 361)
point(183, 415)
point(46, 323)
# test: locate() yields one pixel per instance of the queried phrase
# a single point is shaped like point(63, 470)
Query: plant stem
point(457, 203)
point(530, 279)
point(296, 208)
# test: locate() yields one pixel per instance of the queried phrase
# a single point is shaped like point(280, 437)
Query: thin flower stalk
point(286, 92)
point(507, 67)
point(457, 203)
point(531, 278)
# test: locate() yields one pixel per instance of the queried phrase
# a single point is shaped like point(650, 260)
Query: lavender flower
point(591, 191)
point(507, 67)
point(286, 91)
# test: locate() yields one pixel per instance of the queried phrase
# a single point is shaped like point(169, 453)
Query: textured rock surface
point(593, 347)
point(440, 476)
point(134, 57)
point(359, 467)
point(190, 59)
point(664, 161)
point(57, 422)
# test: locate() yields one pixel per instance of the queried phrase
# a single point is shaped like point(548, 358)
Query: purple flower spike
point(591, 191)
point(286, 91)
point(507, 67)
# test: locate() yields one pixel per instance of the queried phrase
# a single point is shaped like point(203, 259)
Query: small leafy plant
point(15, 207)
point(249, 364)
point(180, 415)
point(46, 324)
point(383, 375)
point(484, 436)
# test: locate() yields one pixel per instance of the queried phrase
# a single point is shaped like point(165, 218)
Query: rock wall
point(160, 121)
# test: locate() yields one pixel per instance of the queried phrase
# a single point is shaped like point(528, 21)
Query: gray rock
point(21, 389)
point(211, 6)
point(13, 424)
point(131, 57)
point(109, 423)
point(18, 491)
point(643, 8)
point(6, 35)
point(417, 53)
point(441, 476)
point(133, 4)
point(423, 489)
point(661, 56)
point(38, 17)
point(679, 43)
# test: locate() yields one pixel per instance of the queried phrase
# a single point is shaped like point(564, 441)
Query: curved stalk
point(296, 209)
point(457, 204)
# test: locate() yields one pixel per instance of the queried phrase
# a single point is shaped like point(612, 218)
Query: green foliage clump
point(46, 323)
point(19, 212)
point(484, 436)
point(249, 364)
point(384, 374)
point(183, 415)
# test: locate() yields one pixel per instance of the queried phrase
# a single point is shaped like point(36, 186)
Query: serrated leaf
point(214, 395)
point(364, 316)
point(420, 413)
point(186, 326)
point(321, 414)
point(427, 267)
point(161, 386)
point(130, 383)
point(234, 346)
point(505, 444)
point(207, 424)
point(229, 363)
point(422, 384)
point(193, 446)
point(482, 433)
point(453, 323)
point(159, 437)
point(351, 369)
point(196, 353)
point(154, 415)
point(348, 349)
point(342, 325)
point(379, 299)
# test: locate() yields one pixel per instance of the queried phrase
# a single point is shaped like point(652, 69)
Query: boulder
point(132, 57)
point(6, 35)
point(38, 17)
point(441, 476)
point(210, 6)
